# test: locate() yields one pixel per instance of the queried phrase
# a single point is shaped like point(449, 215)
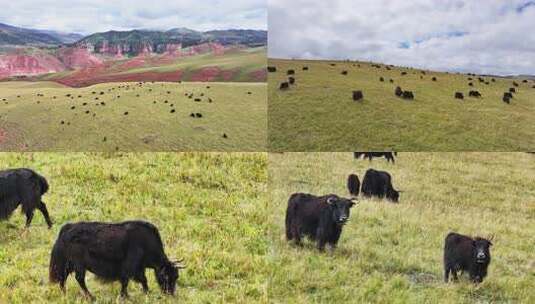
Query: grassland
point(392, 253)
point(210, 210)
point(318, 113)
point(34, 123)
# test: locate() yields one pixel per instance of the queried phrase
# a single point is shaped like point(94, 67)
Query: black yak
point(506, 99)
point(23, 187)
point(398, 91)
point(357, 95)
point(344, 72)
point(512, 90)
point(474, 94)
point(379, 184)
point(507, 94)
point(389, 156)
point(466, 254)
point(272, 69)
point(284, 86)
point(470, 84)
point(434, 79)
point(113, 252)
point(515, 84)
point(290, 72)
point(291, 80)
point(321, 218)
point(305, 68)
point(353, 185)
point(381, 79)
point(407, 95)
point(459, 95)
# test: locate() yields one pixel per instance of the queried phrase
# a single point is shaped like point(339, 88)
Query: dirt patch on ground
point(206, 74)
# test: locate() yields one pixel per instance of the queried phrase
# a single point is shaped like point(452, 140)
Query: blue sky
point(491, 36)
point(89, 16)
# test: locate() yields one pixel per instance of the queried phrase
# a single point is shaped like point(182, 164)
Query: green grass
point(318, 113)
point(34, 126)
point(210, 210)
point(392, 253)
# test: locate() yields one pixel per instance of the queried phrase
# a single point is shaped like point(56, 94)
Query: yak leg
point(131, 268)
point(296, 234)
point(29, 217)
point(321, 240)
point(44, 211)
point(124, 287)
point(141, 278)
point(454, 273)
point(80, 277)
point(446, 274)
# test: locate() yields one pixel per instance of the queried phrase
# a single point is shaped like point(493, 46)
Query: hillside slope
point(46, 116)
point(318, 113)
point(392, 253)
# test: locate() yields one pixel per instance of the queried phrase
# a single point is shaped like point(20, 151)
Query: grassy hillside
point(318, 112)
point(33, 123)
point(392, 253)
point(210, 210)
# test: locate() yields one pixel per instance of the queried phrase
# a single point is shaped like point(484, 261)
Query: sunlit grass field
point(318, 113)
point(210, 210)
point(152, 117)
point(392, 253)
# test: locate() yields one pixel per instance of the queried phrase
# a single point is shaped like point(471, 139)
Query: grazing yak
point(23, 187)
point(357, 95)
point(321, 218)
point(284, 86)
point(407, 95)
point(272, 69)
point(512, 90)
point(466, 254)
point(113, 252)
point(398, 91)
point(290, 72)
point(291, 80)
point(369, 155)
point(475, 94)
point(459, 95)
point(379, 184)
point(353, 185)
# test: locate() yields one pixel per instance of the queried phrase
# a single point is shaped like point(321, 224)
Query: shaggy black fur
point(379, 184)
point(464, 253)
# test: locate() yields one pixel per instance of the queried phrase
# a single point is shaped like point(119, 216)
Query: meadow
point(210, 209)
point(129, 116)
point(318, 113)
point(392, 253)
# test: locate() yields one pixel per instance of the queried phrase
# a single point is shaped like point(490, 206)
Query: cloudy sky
point(491, 36)
point(90, 16)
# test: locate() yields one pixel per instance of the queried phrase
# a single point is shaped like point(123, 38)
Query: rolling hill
point(318, 113)
point(126, 116)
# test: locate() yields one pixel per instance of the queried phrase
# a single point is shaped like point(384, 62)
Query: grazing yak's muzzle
point(481, 257)
point(342, 220)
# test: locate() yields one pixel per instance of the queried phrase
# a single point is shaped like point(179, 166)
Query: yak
point(272, 69)
point(357, 95)
point(321, 218)
point(370, 155)
point(23, 187)
point(113, 252)
point(284, 86)
point(459, 95)
point(379, 184)
point(464, 253)
point(353, 185)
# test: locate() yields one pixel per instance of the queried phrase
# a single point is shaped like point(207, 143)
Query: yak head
point(340, 209)
point(167, 275)
point(481, 250)
point(392, 195)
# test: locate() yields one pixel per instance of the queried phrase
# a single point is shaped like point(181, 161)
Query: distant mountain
point(11, 35)
point(64, 37)
point(137, 41)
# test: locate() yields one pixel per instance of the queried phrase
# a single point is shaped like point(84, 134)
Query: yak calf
point(22, 187)
point(466, 254)
point(321, 218)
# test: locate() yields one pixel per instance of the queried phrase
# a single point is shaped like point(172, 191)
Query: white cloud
point(490, 36)
point(90, 16)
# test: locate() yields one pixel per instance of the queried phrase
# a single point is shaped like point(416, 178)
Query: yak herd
point(112, 251)
point(93, 105)
point(322, 218)
point(358, 95)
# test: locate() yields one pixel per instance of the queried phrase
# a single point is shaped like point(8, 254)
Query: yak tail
point(58, 264)
point(43, 183)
